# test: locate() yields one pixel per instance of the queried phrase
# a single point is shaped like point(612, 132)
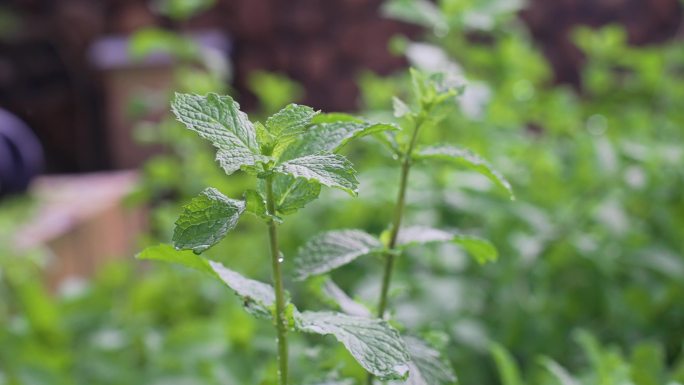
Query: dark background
point(47, 79)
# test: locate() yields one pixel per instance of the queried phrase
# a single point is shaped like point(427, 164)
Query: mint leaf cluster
point(292, 155)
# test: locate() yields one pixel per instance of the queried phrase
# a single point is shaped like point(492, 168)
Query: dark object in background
point(21, 155)
point(45, 83)
point(125, 78)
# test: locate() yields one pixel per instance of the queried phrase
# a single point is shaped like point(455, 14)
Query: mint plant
point(291, 156)
point(433, 96)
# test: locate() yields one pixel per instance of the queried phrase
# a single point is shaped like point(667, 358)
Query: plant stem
point(276, 261)
point(394, 233)
point(396, 226)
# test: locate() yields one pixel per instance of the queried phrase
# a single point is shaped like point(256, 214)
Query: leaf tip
point(402, 370)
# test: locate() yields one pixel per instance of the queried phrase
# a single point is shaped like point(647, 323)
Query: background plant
point(587, 168)
point(433, 96)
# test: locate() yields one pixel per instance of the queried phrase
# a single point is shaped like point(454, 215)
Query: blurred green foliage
point(181, 9)
point(273, 90)
point(595, 238)
point(592, 243)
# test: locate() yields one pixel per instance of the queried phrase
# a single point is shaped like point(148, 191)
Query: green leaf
point(264, 137)
point(646, 364)
point(328, 251)
point(216, 118)
point(206, 220)
point(291, 120)
point(219, 120)
point(255, 204)
point(335, 294)
point(421, 12)
point(427, 366)
point(481, 249)
point(420, 89)
point(506, 365)
point(239, 158)
point(592, 350)
point(293, 193)
point(434, 91)
point(389, 140)
point(287, 124)
point(372, 342)
point(558, 371)
point(258, 297)
point(417, 235)
point(400, 107)
point(167, 253)
point(147, 41)
point(467, 159)
point(331, 170)
point(328, 133)
point(330, 137)
point(182, 9)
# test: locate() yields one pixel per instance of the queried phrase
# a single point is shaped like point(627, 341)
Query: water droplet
point(281, 259)
point(402, 370)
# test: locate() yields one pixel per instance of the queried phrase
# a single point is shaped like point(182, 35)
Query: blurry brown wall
point(46, 78)
point(321, 44)
point(551, 21)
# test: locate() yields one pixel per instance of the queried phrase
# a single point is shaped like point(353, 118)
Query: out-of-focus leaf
point(328, 251)
point(506, 365)
point(400, 107)
point(467, 159)
point(647, 364)
point(273, 90)
point(345, 303)
point(149, 41)
point(181, 9)
point(421, 12)
point(558, 371)
point(481, 249)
